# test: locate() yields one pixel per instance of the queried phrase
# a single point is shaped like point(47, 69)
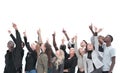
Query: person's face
point(58, 53)
point(63, 40)
point(90, 47)
point(107, 39)
point(72, 51)
point(33, 46)
point(73, 39)
point(81, 50)
point(10, 45)
point(83, 44)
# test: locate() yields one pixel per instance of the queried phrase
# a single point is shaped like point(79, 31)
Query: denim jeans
point(31, 71)
point(49, 70)
point(105, 72)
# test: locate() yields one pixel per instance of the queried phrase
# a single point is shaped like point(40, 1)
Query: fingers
point(24, 33)
point(14, 26)
point(54, 33)
point(9, 31)
point(99, 30)
point(64, 31)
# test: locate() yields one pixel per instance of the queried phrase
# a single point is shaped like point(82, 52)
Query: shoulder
point(111, 49)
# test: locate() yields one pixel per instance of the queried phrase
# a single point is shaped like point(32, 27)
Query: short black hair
point(85, 41)
point(11, 44)
point(110, 37)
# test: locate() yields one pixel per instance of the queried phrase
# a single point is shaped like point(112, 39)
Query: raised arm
point(18, 37)
point(39, 42)
point(69, 43)
point(66, 35)
point(91, 29)
point(76, 51)
point(96, 43)
point(54, 42)
point(39, 36)
point(26, 42)
point(12, 36)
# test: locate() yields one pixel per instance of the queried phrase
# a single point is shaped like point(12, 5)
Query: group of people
point(98, 56)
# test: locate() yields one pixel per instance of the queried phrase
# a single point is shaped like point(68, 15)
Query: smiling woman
point(53, 15)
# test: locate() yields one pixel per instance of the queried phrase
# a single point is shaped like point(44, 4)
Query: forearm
point(18, 37)
point(40, 38)
point(66, 36)
point(112, 65)
point(54, 43)
point(76, 51)
point(13, 38)
point(25, 39)
point(111, 68)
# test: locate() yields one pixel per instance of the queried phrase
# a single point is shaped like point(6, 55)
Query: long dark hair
point(49, 53)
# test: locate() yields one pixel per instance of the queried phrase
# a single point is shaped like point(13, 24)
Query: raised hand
point(91, 27)
point(24, 33)
point(54, 34)
point(14, 26)
point(64, 31)
point(100, 30)
point(39, 31)
point(75, 37)
point(9, 31)
point(96, 29)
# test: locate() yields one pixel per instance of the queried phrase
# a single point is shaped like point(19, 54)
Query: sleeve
point(13, 38)
point(112, 52)
point(6, 58)
point(92, 40)
point(54, 43)
point(19, 42)
point(96, 44)
point(18, 37)
point(66, 35)
point(69, 44)
point(27, 44)
point(76, 51)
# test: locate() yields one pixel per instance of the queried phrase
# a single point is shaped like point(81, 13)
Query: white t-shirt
point(109, 52)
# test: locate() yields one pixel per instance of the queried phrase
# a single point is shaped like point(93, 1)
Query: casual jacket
point(42, 63)
point(9, 63)
point(18, 51)
point(31, 57)
point(94, 62)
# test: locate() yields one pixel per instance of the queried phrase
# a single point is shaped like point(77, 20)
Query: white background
point(54, 15)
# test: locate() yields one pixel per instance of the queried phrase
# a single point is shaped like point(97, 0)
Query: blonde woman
point(58, 62)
